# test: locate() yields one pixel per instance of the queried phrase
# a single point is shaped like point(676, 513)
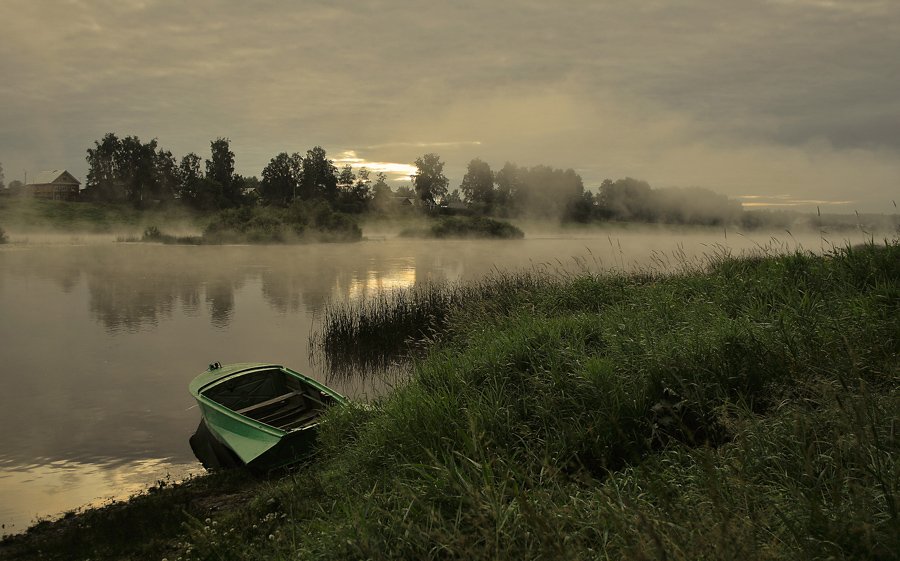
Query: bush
point(468, 227)
point(152, 233)
point(302, 221)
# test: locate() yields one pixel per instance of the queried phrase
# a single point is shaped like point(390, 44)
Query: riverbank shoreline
point(741, 410)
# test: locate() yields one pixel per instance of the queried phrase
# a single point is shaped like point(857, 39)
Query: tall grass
point(364, 335)
point(747, 411)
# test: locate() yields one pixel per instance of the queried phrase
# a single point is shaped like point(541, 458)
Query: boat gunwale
point(252, 368)
point(238, 370)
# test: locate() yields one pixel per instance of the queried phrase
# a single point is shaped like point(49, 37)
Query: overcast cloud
point(787, 100)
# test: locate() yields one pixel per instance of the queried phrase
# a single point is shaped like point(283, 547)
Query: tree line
point(126, 169)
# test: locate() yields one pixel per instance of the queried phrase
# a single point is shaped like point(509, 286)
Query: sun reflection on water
point(31, 492)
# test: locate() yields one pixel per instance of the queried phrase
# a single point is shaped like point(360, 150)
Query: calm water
point(98, 342)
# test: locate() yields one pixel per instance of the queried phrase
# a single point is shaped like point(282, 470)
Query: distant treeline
point(126, 169)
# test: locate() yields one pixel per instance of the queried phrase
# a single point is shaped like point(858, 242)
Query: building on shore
point(58, 184)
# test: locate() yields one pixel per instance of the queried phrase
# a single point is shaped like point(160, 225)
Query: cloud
point(446, 144)
point(734, 96)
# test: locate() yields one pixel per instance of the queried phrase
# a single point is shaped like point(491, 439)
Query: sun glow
point(393, 170)
point(785, 201)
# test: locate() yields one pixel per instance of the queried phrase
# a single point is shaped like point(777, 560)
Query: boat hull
point(240, 430)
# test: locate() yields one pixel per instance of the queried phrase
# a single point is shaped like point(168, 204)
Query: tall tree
point(546, 192)
point(362, 190)
point(189, 177)
point(220, 169)
point(319, 176)
point(103, 180)
point(345, 178)
point(508, 183)
point(128, 169)
point(355, 192)
point(478, 184)
point(281, 179)
point(167, 180)
point(627, 199)
point(429, 179)
point(381, 194)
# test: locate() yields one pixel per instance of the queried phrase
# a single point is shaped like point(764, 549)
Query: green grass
point(744, 411)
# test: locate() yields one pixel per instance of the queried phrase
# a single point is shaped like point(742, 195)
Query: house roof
point(54, 176)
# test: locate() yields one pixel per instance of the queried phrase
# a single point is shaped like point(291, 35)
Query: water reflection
point(32, 492)
point(133, 288)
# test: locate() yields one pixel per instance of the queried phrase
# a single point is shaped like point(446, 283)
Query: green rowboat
point(263, 416)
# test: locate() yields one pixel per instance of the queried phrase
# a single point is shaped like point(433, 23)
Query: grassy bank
point(27, 215)
point(746, 411)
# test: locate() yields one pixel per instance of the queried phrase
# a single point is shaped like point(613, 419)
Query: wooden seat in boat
point(268, 402)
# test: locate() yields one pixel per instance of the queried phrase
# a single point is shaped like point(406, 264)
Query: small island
point(466, 227)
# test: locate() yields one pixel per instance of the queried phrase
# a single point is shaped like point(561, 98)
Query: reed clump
point(364, 335)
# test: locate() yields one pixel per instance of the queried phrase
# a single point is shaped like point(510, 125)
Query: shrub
point(468, 227)
point(302, 221)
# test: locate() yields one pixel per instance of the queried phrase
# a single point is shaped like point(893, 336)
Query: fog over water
point(99, 340)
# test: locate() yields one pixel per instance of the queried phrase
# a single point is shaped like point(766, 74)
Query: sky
point(780, 103)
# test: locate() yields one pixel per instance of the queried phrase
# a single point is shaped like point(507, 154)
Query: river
point(99, 340)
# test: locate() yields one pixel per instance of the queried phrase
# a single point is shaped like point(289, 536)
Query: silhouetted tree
point(220, 168)
point(346, 177)
point(360, 193)
point(281, 179)
point(189, 177)
point(478, 184)
point(128, 169)
point(167, 180)
point(2, 178)
point(429, 180)
point(382, 196)
point(626, 199)
point(543, 191)
point(580, 209)
point(103, 181)
point(319, 176)
point(632, 199)
point(507, 180)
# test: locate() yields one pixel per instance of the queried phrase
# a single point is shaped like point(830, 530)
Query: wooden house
point(57, 185)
